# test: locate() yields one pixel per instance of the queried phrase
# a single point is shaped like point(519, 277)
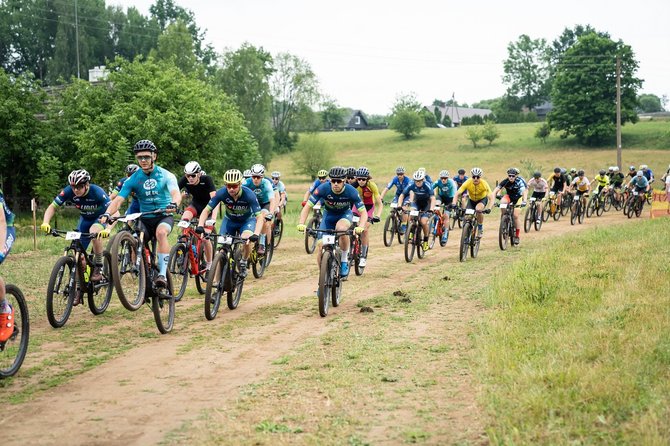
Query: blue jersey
point(337, 203)
point(153, 191)
point(240, 209)
point(399, 185)
point(9, 216)
point(514, 188)
point(445, 190)
point(648, 174)
point(459, 181)
point(421, 194)
point(91, 205)
point(264, 191)
point(640, 182)
point(279, 187)
point(316, 184)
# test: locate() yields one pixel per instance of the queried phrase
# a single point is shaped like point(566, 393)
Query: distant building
point(456, 114)
point(356, 121)
point(97, 74)
point(542, 110)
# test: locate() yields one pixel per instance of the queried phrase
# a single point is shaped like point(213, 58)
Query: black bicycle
point(507, 228)
point(577, 209)
point(13, 350)
point(313, 224)
point(277, 230)
point(330, 281)
point(413, 236)
point(392, 225)
point(637, 203)
point(532, 217)
point(596, 204)
point(469, 236)
point(224, 275)
point(134, 270)
point(70, 280)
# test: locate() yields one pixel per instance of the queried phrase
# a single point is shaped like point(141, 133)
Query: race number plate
point(210, 222)
point(356, 219)
point(533, 198)
point(227, 240)
point(502, 206)
point(183, 224)
point(469, 211)
point(131, 217)
point(328, 239)
point(394, 205)
point(72, 235)
point(414, 212)
point(317, 206)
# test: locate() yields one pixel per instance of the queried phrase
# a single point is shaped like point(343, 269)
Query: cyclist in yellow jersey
point(480, 196)
point(369, 193)
point(602, 181)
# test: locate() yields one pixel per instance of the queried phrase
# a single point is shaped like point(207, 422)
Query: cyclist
point(444, 190)
point(459, 180)
point(616, 180)
point(515, 191)
point(268, 199)
point(278, 186)
point(559, 184)
point(337, 197)
point(92, 201)
point(603, 181)
point(134, 206)
point(632, 171)
point(400, 182)
point(539, 186)
point(247, 174)
point(480, 197)
point(369, 193)
point(242, 213)
point(581, 185)
point(429, 180)
point(648, 174)
point(351, 176)
point(572, 175)
point(421, 198)
point(321, 177)
point(156, 189)
point(201, 188)
point(610, 171)
point(640, 184)
point(7, 237)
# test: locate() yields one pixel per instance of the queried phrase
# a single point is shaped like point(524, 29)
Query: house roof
point(458, 113)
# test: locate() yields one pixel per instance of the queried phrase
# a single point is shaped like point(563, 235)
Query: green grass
point(576, 348)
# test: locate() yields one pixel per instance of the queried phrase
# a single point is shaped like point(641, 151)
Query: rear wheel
point(128, 274)
point(101, 294)
point(591, 206)
point(310, 238)
point(201, 277)
point(503, 236)
point(164, 308)
point(410, 246)
point(258, 263)
point(528, 218)
point(433, 230)
point(60, 292)
point(178, 267)
point(277, 232)
point(13, 350)
point(215, 281)
point(236, 281)
point(324, 282)
point(389, 230)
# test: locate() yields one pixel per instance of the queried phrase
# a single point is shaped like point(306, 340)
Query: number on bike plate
point(502, 206)
point(131, 217)
point(635, 193)
point(227, 240)
point(469, 211)
point(394, 205)
point(317, 206)
point(328, 239)
point(72, 235)
point(210, 222)
point(533, 198)
point(183, 224)
point(438, 202)
point(356, 219)
point(413, 212)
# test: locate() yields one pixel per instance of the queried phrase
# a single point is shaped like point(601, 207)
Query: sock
point(518, 231)
point(480, 226)
point(162, 263)
point(425, 239)
point(345, 256)
point(261, 240)
point(97, 259)
point(208, 265)
point(364, 251)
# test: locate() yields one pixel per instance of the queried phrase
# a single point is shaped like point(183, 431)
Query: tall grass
point(576, 347)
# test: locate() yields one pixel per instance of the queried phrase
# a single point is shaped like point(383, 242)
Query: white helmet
point(192, 167)
point(78, 177)
point(644, 167)
point(616, 168)
point(247, 173)
point(258, 169)
point(419, 175)
point(444, 174)
point(276, 174)
point(640, 173)
point(476, 172)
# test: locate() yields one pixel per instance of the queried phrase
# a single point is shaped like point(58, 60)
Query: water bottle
point(195, 251)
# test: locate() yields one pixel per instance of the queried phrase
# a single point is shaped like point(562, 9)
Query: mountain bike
point(612, 200)
point(413, 239)
point(566, 203)
point(577, 209)
point(457, 215)
point(330, 281)
point(531, 217)
point(596, 204)
point(392, 225)
point(13, 350)
point(224, 275)
point(277, 230)
point(356, 246)
point(259, 262)
point(134, 269)
point(436, 229)
point(70, 280)
point(507, 228)
point(551, 209)
point(469, 237)
point(187, 258)
point(637, 203)
point(313, 223)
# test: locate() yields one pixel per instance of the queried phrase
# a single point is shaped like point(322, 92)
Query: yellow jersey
point(476, 192)
point(603, 180)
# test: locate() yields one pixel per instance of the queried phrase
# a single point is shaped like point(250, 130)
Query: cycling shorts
point(555, 189)
point(330, 219)
point(195, 208)
point(134, 207)
point(538, 195)
point(84, 225)
point(234, 227)
point(10, 238)
point(473, 204)
point(152, 223)
point(369, 207)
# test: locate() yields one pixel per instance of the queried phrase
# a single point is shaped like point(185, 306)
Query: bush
point(407, 122)
point(474, 134)
point(490, 132)
point(311, 154)
point(543, 132)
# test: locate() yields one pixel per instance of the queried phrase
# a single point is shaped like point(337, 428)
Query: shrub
point(311, 154)
point(474, 134)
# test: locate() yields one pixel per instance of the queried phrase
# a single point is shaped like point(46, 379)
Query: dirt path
point(152, 389)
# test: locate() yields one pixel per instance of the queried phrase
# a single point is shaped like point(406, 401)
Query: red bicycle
point(437, 227)
point(187, 258)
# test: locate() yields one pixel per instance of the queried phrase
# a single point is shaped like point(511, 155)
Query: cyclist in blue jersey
point(459, 180)
point(351, 176)
point(92, 201)
point(157, 190)
point(516, 190)
point(242, 213)
point(445, 190)
point(422, 199)
point(428, 179)
point(337, 198)
point(400, 182)
point(134, 206)
point(279, 187)
point(7, 237)
point(267, 197)
point(648, 174)
point(321, 177)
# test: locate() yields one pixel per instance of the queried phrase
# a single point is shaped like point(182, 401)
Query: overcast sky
point(365, 53)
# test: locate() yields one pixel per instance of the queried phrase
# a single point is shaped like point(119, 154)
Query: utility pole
point(618, 111)
point(76, 32)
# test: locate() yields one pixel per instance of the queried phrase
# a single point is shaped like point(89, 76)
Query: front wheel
point(538, 219)
point(164, 308)
point(410, 245)
point(389, 230)
point(201, 277)
point(433, 230)
point(60, 292)
point(310, 237)
point(214, 288)
point(277, 232)
point(465, 242)
point(580, 217)
point(528, 218)
point(235, 280)
point(128, 272)
point(178, 267)
point(325, 282)
point(503, 234)
point(13, 350)
point(100, 295)
point(591, 206)
point(258, 262)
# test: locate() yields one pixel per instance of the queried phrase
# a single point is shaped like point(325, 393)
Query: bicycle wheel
point(257, 263)
point(179, 266)
point(638, 208)
point(235, 281)
point(600, 207)
point(277, 232)
point(418, 241)
point(574, 212)
point(566, 204)
point(607, 204)
point(630, 211)
point(433, 230)
point(591, 206)
point(389, 230)
point(537, 219)
point(465, 242)
point(215, 281)
point(649, 197)
point(410, 247)
point(128, 274)
point(310, 238)
point(528, 218)
point(100, 294)
point(325, 270)
point(269, 252)
point(356, 249)
point(164, 308)
point(503, 234)
point(398, 224)
point(453, 218)
point(336, 285)
point(474, 246)
point(444, 237)
point(13, 350)
point(60, 292)
point(201, 277)
point(580, 217)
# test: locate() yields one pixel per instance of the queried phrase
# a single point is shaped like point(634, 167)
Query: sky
point(367, 53)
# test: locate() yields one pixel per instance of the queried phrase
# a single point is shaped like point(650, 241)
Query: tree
point(292, 85)
point(527, 70)
point(176, 45)
point(406, 117)
point(474, 134)
point(245, 78)
point(650, 103)
point(584, 90)
point(332, 116)
point(312, 153)
point(490, 132)
point(543, 132)
point(429, 119)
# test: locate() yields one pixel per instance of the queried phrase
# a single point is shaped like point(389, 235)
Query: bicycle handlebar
point(60, 233)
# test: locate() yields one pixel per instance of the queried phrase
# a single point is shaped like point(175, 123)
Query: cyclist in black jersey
point(559, 184)
point(201, 188)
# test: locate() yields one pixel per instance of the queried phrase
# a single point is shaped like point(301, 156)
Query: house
point(542, 110)
point(356, 121)
point(456, 114)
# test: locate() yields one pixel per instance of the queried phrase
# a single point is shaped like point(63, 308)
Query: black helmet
point(350, 172)
point(580, 173)
point(537, 174)
point(338, 172)
point(511, 171)
point(144, 145)
point(602, 172)
point(363, 172)
point(461, 171)
point(557, 170)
